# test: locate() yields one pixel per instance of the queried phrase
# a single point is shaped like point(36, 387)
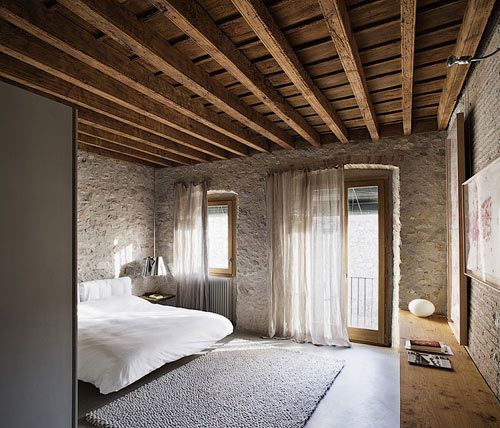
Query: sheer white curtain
point(306, 230)
point(190, 245)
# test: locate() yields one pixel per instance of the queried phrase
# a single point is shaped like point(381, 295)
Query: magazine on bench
point(428, 346)
point(429, 360)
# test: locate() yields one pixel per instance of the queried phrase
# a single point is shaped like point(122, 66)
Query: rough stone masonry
point(421, 162)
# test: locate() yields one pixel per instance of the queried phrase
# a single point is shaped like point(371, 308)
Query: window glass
point(219, 236)
point(363, 261)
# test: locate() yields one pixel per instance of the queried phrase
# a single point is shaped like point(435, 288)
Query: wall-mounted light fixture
point(154, 265)
point(467, 60)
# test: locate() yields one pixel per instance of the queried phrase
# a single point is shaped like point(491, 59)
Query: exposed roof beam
point(96, 142)
point(364, 32)
point(260, 20)
point(408, 19)
point(123, 26)
point(115, 155)
point(330, 65)
point(49, 59)
point(339, 27)
point(32, 17)
point(104, 135)
point(30, 77)
point(192, 19)
point(474, 22)
point(98, 121)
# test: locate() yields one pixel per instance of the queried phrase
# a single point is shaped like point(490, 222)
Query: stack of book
point(429, 353)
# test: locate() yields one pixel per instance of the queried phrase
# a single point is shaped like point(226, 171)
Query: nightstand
point(165, 299)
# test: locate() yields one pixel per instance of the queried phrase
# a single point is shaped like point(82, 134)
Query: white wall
point(36, 261)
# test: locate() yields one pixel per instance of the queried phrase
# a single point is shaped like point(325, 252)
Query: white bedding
point(123, 338)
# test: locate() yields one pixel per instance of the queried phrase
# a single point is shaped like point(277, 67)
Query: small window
point(221, 237)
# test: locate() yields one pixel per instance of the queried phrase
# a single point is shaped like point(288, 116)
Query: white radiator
point(220, 296)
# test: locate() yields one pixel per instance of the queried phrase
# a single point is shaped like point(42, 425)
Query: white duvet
point(123, 338)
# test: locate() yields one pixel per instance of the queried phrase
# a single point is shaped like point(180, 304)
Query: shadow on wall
point(469, 131)
point(141, 284)
point(122, 256)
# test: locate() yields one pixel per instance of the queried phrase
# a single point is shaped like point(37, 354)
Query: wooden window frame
point(231, 270)
point(381, 335)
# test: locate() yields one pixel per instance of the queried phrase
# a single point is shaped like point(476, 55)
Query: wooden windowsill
point(440, 398)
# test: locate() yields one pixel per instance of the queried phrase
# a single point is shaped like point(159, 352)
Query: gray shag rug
point(257, 388)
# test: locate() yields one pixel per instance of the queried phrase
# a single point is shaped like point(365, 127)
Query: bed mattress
point(123, 338)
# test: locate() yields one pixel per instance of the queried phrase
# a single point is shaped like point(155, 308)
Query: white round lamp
point(421, 308)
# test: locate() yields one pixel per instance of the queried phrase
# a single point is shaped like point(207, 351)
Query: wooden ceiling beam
point(31, 77)
point(379, 67)
point(115, 155)
point(474, 22)
point(103, 144)
point(260, 20)
point(98, 121)
point(426, 73)
point(192, 19)
point(41, 55)
point(339, 27)
point(123, 27)
point(382, 53)
point(408, 20)
point(379, 98)
point(367, 34)
point(32, 17)
point(386, 130)
point(104, 135)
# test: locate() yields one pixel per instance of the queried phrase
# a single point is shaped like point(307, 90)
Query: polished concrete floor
point(365, 394)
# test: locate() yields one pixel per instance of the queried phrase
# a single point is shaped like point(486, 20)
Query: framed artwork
point(481, 195)
point(457, 281)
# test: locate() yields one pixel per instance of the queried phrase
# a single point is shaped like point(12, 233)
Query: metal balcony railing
point(363, 302)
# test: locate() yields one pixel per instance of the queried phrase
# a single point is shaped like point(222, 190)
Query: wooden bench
point(440, 398)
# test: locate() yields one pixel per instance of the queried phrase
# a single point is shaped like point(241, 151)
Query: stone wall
point(480, 103)
point(115, 218)
point(421, 162)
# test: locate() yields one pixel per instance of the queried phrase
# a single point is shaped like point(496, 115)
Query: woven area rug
point(257, 388)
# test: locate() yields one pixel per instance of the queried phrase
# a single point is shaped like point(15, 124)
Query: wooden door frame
point(381, 336)
point(455, 147)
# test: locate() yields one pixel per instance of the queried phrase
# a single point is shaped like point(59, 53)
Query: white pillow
point(104, 288)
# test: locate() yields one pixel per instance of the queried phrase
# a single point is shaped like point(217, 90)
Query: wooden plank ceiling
point(175, 82)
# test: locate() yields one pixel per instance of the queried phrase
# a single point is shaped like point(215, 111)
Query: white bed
point(121, 337)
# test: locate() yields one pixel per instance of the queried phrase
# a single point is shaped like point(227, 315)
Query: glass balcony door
point(365, 261)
